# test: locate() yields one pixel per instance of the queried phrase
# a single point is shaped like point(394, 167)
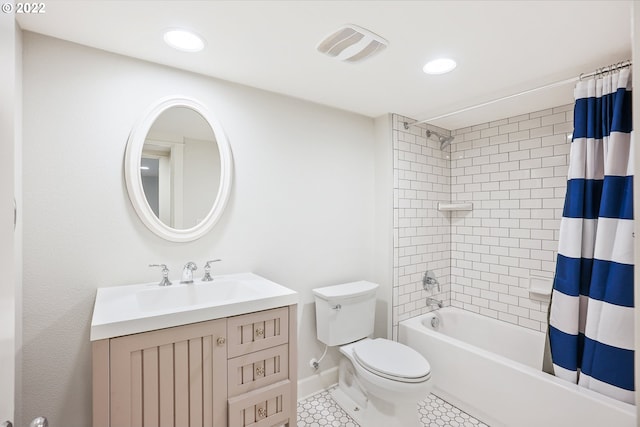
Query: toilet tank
point(345, 313)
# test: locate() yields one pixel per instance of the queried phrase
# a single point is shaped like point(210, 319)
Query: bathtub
point(492, 370)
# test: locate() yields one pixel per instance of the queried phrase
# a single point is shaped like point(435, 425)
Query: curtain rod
point(597, 72)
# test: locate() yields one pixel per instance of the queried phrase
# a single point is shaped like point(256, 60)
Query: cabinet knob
point(259, 332)
point(262, 413)
point(221, 341)
point(260, 371)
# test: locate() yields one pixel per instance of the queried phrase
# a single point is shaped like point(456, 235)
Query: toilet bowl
point(388, 364)
point(380, 381)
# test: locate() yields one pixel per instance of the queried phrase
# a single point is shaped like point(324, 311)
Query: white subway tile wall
point(514, 171)
point(421, 234)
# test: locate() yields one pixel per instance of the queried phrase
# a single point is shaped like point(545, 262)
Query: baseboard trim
point(317, 382)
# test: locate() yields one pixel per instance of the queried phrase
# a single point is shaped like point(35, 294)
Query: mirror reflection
point(180, 168)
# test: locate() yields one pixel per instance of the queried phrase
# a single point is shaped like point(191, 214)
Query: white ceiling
point(502, 48)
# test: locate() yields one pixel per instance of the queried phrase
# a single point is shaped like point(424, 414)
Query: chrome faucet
point(429, 281)
point(207, 275)
point(165, 274)
point(433, 302)
point(187, 272)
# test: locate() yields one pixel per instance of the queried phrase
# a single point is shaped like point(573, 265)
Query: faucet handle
point(429, 281)
point(208, 264)
point(207, 275)
point(165, 274)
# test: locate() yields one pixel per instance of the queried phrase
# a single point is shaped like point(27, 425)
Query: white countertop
point(125, 310)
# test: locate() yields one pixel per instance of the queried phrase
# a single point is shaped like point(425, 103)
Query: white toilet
point(380, 381)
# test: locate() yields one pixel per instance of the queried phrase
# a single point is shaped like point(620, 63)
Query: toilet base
point(377, 413)
point(369, 410)
point(348, 405)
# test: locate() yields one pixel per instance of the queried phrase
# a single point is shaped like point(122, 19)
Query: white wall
point(9, 239)
point(301, 211)
point(18, 259)
point(383, 243)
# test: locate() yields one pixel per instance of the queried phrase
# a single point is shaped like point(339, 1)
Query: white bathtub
point(492, 370)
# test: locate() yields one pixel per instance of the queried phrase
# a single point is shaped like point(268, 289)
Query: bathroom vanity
point(180, 356)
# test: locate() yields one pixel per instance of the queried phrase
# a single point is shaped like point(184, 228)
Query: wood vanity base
point(238, 371)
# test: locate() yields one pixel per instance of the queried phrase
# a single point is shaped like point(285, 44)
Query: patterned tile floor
point(321, 410)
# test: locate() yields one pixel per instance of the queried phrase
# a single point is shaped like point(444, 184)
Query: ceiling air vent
point(352, 44)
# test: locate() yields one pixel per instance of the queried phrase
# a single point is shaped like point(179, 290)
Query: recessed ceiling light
point(439, 66)
point(183, 40)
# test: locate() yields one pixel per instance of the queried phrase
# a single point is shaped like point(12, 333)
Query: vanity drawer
point(265, 407)
point(257, 331)
point(258, 369)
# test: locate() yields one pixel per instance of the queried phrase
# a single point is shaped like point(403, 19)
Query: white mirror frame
point(134, 181)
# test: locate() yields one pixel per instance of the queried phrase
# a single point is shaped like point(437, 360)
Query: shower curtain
point(591, 324)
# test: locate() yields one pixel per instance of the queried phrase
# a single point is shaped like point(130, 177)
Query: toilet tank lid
point(346, 290)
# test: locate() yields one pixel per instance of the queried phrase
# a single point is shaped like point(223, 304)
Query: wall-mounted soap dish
point(455, 206)
point(540, 288)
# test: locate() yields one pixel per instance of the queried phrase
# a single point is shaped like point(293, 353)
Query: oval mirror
point(178, 169)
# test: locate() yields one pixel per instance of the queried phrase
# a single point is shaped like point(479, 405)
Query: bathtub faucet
point(433, 302)
point(429, 281)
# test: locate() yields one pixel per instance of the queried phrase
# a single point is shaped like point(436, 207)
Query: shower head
point(444, 141)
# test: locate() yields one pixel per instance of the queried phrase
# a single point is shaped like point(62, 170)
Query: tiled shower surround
point(514, 171)
point(421, 234)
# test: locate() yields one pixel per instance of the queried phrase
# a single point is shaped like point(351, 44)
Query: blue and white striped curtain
point(591, 325)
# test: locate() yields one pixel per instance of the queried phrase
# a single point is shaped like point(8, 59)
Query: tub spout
point(433, 302)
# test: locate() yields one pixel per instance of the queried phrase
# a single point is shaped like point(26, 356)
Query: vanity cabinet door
point(265, 407)
point(259, 369)
point(257, 331)
point(173, 377)
point(262, 368)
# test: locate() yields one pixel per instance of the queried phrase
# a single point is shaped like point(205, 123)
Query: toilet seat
point(392, 360)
